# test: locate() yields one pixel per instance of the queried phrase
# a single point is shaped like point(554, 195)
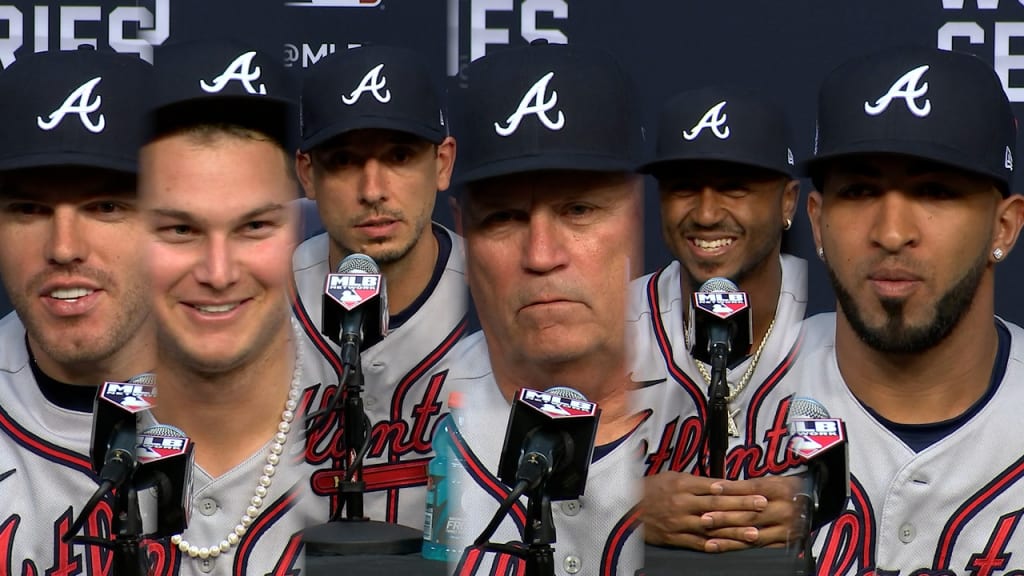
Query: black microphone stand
point(127, 529)
point(718, 411)
point(355, 534)
point(539, 533)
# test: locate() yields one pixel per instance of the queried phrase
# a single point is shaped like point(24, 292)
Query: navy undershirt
point(444, 250)
point(68, 396)
point(920, 436)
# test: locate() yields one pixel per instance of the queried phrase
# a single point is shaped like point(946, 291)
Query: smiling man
point(723, 165)
point(912, 214)
point(217, 193)
point(69, 259)
point(375, 153)
point(552, 217)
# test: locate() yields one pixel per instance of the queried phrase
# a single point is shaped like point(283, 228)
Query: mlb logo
point(153, 448)
point(810, 437)
point(556, 406)
point(351, 290)
point(721, 304)
point(131, 397)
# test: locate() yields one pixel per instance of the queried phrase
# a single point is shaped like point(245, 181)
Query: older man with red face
point(551, 214)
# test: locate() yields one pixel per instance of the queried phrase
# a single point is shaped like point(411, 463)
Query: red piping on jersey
point(617, 540)
point(309, 327)
point(836, 544)
point(398, 399)
point(47, 450)
point(470, 562)
point(971, 508)
point(769, 384)
point(262, 523)
point(665, 345)
point(485, 479)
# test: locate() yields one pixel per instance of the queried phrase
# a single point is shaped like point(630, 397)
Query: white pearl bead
point(246, 520)
point(293, 394)
point(240, 530)
point(287, 415)
point(269, 469)
point(291, 405)
point(193, 551)
point(273, 459)
point(204, 553)
point(261, 491)
point(284, 427)
point(225, 545)
point(232, 539)
point(176, 539)
point(276, 448)
point(280, 437)
point(265, 481)
point(215, 550)
point(183, 545)
point(256, 501)
point(252, 511)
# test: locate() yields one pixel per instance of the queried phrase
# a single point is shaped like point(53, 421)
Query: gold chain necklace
point(734, 431)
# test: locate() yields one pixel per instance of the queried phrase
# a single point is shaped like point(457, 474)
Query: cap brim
point(584, 162)
point(371, 122)
point(912, 148)
point(52, 159)
point(663, 161)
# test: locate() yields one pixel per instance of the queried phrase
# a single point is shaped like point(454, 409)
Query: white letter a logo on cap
point(909, 88)
point(240, 69)
point(534, 103)
point(373, 83)
point(79, 102)
point(713, 119)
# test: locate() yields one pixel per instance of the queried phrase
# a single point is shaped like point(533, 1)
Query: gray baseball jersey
point(598, 534)
point(671, 387)
point(47, 475)
point(402, 399)
point(953, 508)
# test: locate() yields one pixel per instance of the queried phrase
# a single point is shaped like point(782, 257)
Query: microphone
point(549, 442)
point(113, 446)
point(720, 316)
point(821, 442)
point(165, 456)
point(355, 306)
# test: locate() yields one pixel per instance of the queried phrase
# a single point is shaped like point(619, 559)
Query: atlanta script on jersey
point(952, 509)
point(669, 384)
point(402, 400)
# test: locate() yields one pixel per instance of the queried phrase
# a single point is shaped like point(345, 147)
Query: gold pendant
point(734, 431)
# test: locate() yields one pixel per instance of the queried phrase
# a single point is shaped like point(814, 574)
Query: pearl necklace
point(734, 430)
point(265, 480)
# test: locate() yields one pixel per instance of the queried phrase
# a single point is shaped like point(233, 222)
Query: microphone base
point(360, 538)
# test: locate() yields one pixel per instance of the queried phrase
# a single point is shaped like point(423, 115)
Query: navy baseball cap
point(219, 81)
point(943, 106)
point(80, 108)
point(370, 87)
point(725, 125)
point(545, 107)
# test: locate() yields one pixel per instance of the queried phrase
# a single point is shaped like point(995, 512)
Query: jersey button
point(370, 401)
point(572, 564)
point(907, 533)
point(207, 506)
point(571, 507)
point(206, 565)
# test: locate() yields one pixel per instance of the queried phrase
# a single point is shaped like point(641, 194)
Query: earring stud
point(998, 254)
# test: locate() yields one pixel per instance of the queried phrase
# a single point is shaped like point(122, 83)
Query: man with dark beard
point(911, 215)
point(723, 165)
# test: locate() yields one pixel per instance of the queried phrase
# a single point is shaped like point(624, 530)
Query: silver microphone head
point(802, 407)
point(719, 284)
point(164, 431)
point(358, 264)
point(566, 392)
point(146, 378)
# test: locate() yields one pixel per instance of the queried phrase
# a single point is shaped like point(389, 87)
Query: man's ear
point(304, 170)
